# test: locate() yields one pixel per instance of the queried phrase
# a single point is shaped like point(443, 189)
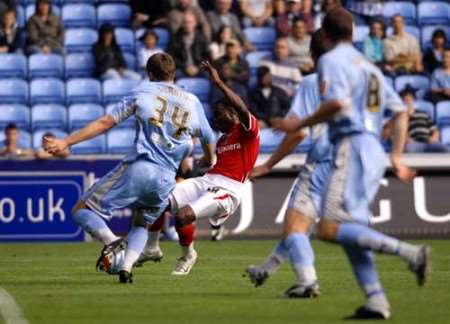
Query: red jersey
point(237, 151)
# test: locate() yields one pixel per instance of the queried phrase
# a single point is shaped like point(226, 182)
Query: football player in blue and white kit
point(354, 97)
point(166, 120)
point(306, 195)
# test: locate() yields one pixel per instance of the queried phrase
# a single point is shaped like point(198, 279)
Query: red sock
point(158, 224)
point(186, 234)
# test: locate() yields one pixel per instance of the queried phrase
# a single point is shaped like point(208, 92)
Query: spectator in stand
point(7, 4)
point(149, 13)
point(11, 37)
point(256, 13)
point(298, 44)
point(44, 30)
point(149, 42)
point(226, 74)
point(109, 61)
point(401, 50)
point(41, 154)
point(294, 10)
point(440, 80)
point(307, 15)
point(327, 5)
point(267, 100)
point(188, 47)
point(433, 56)
point(12, 147)
point(218, 47)
point(374, 43)
point(281, 18)
point(221, 15)
point(176, 17)
point(364, 11)
point(285, 73)
point(239, 70)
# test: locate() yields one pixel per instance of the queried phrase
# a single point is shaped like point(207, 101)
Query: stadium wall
point(36, 198)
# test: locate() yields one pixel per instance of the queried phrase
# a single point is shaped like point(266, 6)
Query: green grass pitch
point(57, 283)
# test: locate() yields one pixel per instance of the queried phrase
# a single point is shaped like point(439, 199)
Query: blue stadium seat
point(47, 90)
point(79, 15)
point(37, 136)
point(389, 80)
point(13, 66)
point(120, 140)
point(83, 90)
point(130, 122)
point(82, 114)
point(13, 91)
point(80, 39)
point(418, 82)
point(24, 139)
point(198, 86)
point(406, 9)
point(48, 116)
point(359, 35)
point(413, 30)
point(19, 114)
point(427, 107)
point(130, 60)
point(114, 90)
point(96, 145)
point(253, 59)
point(263, 38)
point(163, 35)
point(445, 135)
point(79, 65)
point(20, 12)
point(427, 32)
point(269, 140)
point(30, 9)
point(118, 15)
point(443, 113)
point(125, 39)
point(433, 12)
point(93, 2)
point(46, 65)
point(208, 110)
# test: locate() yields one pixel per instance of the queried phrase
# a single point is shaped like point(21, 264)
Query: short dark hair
point(262, 71)
point(48, 134)
point(161, 66)
point(149, 33)
point(439, 33)
point(408, 90)
point(11, 126)
point(338, 24)
point(319, 44)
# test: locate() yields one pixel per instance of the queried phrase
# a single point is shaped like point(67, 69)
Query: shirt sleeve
point(434, 80)
point(333, 81)
point(253, 129)
point(393, 101)
point(297, 105)
point(203, 129)
point(124, 109)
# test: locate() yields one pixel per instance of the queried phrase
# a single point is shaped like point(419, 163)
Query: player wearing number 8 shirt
point(216, 195)
point(166, 120)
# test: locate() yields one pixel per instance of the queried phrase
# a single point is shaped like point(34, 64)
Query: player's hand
point(287, 125)
point(401, 170)
point(259, 171)
point(213, 74)
point(55, 146)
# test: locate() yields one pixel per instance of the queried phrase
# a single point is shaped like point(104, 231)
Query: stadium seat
point(427, 32)
point(24, 139)
point(125, 39)
point(30, 9)
point(443, 113)
point(413, 30)
point(83, 90)
point(418, 82)
point(118, 15)
point(406, 9)
point(130, 60)
point(163, 35)
point(13, 91)
point(263, 38)
point(45, 65)
point(389, 80)
point(79, 15)
point(208, 110)
point(445, 135)
point(269, 140)
point(198, 86)
point(13, 66)
point(433, 12)
point(120, 141)
point(79, 65)
point(20, 13)
point(47, 90)
point(128, 123)
point(37, 136)
point(427, 107)
point(114, 90)
point(48, 116)
point(96, 145)
point(82, 114)
point(359, 35)
point(253, 59)
point(19, 114)
point(80, 1)
point(79, 39)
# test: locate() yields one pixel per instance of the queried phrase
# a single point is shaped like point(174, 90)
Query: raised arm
point(238, 104)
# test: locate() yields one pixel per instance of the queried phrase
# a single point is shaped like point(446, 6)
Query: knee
point(184, 216)
point(327, 230)
point(296, 222)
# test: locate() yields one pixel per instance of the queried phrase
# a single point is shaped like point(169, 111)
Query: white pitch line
point(9, 310)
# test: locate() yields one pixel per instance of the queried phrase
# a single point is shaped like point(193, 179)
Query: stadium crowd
point(64, 63)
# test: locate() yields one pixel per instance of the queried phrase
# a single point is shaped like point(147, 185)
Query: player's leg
point(152, 250)
point(186, 234)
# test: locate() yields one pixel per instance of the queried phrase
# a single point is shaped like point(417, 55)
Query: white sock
point(152, 241)
point(131, 257)
point(186, 250)
point(408, 251)
point(272, 263)
point(105, 235)
point(306, 275)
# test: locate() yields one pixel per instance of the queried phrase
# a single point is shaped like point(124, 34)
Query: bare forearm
point(325, 112)
point(286, 147)
point(91, 130)
point(400, 133)
point(208, 153)
point(238, 104)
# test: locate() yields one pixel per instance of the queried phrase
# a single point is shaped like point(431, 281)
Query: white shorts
point(212, 195)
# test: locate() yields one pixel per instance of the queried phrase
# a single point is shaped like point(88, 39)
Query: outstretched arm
point(238, 104)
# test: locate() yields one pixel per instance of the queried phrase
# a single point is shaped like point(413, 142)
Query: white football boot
point(185, 264)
